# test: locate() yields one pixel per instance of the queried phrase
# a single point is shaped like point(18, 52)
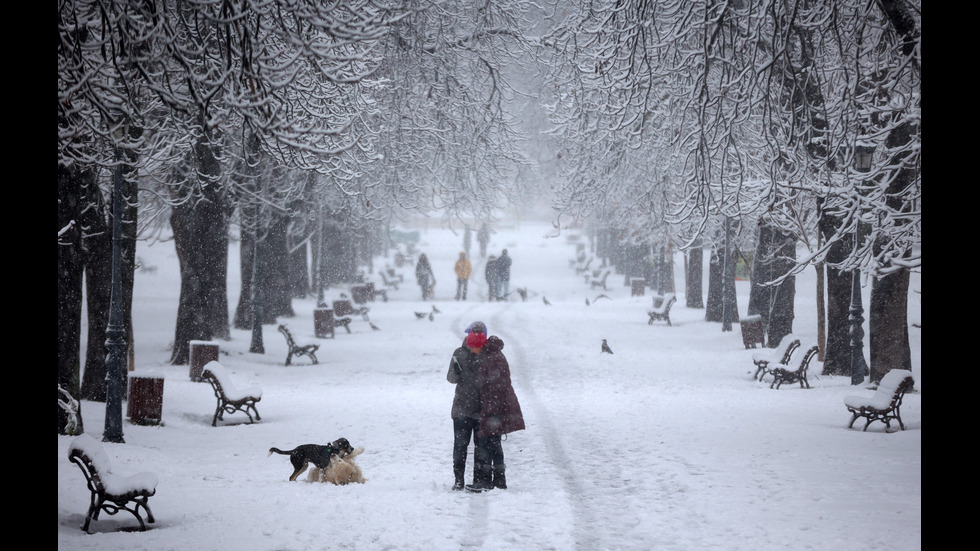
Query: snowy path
point(668, 444)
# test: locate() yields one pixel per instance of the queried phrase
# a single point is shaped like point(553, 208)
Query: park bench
point(661, 308)
point(345, 308)
point(373, 292)
point(601, 282)
point(886, 402)
point(388, 282)
point(767, 360)
point(395, 276)
point(308, 350)
point(783, 374)
point(230, 398)
point(111, 492)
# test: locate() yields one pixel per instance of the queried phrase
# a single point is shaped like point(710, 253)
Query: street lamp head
point(862, 157)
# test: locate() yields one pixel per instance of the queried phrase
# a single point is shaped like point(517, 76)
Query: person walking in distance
point(466, 404)
point(424, 276)
point(463, 269)
point(503, 276)
point(491, 274)
point(483, 236)
point(500, 412)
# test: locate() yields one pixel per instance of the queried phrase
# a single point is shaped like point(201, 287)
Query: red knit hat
point(476, 340)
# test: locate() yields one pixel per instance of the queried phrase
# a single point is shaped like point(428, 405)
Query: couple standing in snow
point(485, 408)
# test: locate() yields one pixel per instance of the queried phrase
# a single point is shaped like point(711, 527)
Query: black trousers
point(464, 428)
point(489, 460)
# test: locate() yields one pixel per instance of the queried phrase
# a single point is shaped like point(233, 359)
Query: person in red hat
point(466, 403)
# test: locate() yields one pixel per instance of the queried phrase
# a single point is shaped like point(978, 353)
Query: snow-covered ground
point(667, 444)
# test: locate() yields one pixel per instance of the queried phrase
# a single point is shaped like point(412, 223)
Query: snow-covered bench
point(785, 374)
point(661, 308)
point(230, 398)
point(308, 350)
point(768, 359)
point(111, 492)
point(886, 402)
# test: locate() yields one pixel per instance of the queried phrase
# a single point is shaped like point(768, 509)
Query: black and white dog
point(319, 455)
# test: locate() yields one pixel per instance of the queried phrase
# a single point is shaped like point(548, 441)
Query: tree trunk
point(98, 291)
point(837, 361)
point(71, 182)
point(299, 271)
point(821, 312)
point(275, 272)
point(887, 325)
point(667, 269)
point(246, 247)
point(837, 358)
point(694, 277)
point(774, 257)
point(200, 225)
point(888, 312)
point(713, 311)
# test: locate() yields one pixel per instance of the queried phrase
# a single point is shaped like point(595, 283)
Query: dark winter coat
point(503, 267)
point(492, 272)
point(423, 271)
point(500, 412)
point(463, 373)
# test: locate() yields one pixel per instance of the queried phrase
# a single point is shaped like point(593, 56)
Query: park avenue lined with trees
point(304, 130)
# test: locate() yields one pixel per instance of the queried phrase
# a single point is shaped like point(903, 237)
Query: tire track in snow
point(582, 516)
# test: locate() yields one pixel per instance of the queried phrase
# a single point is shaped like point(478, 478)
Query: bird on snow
point(587, 303)
point(545, 299)
point(436, 310)
point(375, 327)
point(523, 293)
point(431, 317)
point(420, 315)
point(605, 347)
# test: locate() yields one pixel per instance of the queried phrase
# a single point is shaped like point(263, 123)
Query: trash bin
point(202, 352)
point(145, 405)
point(752, 331)
point(323, 322)
point(638, 286)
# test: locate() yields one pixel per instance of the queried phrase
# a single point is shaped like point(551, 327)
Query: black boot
point(482, 479)
point(458, 471)
point(499, 477)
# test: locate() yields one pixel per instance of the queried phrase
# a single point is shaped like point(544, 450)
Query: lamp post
point(862, 163)
point(115, 332)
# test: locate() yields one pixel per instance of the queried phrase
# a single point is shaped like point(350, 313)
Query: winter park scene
point(513, 275)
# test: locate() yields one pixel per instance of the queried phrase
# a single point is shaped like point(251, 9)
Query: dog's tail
point(277, 450)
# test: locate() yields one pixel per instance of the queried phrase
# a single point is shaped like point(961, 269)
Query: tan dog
point(340, 471)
